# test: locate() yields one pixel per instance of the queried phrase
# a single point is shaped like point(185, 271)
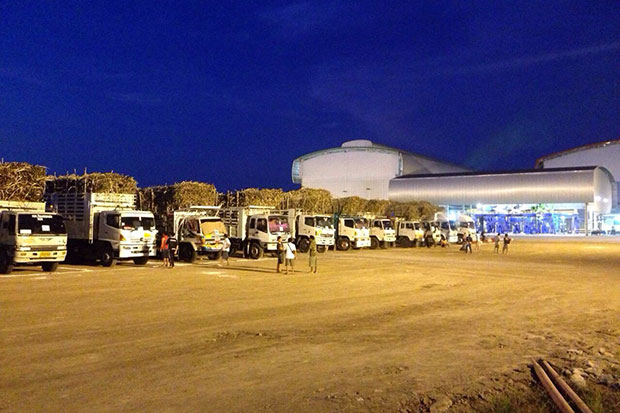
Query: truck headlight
point(61, 247)
point(24, 248)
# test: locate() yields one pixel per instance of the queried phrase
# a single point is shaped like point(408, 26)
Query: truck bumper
point(25, 257)
point(325, 241)
point(136, 251)
point(362, 243)
point(390, 238)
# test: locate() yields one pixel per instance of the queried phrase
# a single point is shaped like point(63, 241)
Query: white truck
point(447, 227)
point(105, 227)
point(30, 236)
point(409, 233)
point(382, 233)
point(255, 229)
point(198, 229)
point(306, 224)
point(352, 232)
point(466, 226)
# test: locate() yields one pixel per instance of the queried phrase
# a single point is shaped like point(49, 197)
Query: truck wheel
point(214, 255)
point(255, 251)
point(384, 244)
point(374, 243)
point(233, 250)
point(49, 266)
point(107, 257)
point(343, 244)
point(141, 260)
point(303, 245)
point(6, 263)
point(460, 239)
point(187, 253)
point(321, 248)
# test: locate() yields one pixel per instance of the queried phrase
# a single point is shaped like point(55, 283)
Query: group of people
point(286, 252)
point(468, 241)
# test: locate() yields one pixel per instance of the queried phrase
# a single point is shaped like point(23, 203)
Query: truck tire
point(255, 251)
point(107, 257)
point(343, 244)
point(321, 248)
point(383, 244)
point(49, 266)
point(214, 255)
point(187, 253)
point(141, 260)
point(6, 263)
point(303, 245)
point(233, 249)
point(460, 239)
point(374, 243)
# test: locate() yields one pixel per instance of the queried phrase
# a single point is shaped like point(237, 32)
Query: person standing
point(507, 240)
point(468, 241)
point(312, 254)
point(163, 249)
point(290, 255)
point(172, 249)
point(280, 253)
point(226, 249)
point(497, 240)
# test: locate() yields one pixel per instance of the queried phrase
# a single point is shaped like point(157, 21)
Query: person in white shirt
point(289, 251)
point(226, 249)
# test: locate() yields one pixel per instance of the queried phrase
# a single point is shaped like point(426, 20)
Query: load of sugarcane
point(21, 181)
point(106, 182)
point(164, 199)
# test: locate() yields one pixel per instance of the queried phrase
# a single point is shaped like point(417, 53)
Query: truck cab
point(466, 226)
point(129, 234)
point(447, 227)
point(320, 226)
point(30, 236)
point(382, 233)
point(432, 233)
point(199, 232)
point(352, 232)
point(409, 233)
point(255, 229)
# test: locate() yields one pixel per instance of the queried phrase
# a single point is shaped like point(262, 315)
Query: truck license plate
point(45, 254)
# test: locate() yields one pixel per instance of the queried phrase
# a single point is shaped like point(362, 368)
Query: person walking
point(163, 249)
point(290, 255)
point(312, 254)
point(497, 240)
point(173, 245)
point(226, 249)
point(279, 253)
point(507, 240)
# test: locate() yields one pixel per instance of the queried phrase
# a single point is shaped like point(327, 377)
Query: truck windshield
point(36, 224)
point(278, 224)
point(387, 224)
point(469, 225)
point(416, 225)
point(445, 225)
point(212, 226)
point(324, 222)
point(361, 223)
point(133, 223)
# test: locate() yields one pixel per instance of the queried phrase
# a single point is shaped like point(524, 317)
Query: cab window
point(113, 221)
point(410, 226)
point(253, 223)
point(348, 223)
point(309, 221)
point(261, 224)
point(377, 224)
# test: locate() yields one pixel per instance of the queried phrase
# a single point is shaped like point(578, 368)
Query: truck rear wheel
point(303, 245)
point(374, 243)
point(107, 257)
point(49, 266)
point(6, 263)
point(255, 251)
point(141, 260)
point(321, 248)
point(343, 244)
point(187, 253)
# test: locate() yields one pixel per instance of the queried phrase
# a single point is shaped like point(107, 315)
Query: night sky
point(231, 92)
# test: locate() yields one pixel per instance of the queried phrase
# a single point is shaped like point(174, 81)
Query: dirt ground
point(372, 331)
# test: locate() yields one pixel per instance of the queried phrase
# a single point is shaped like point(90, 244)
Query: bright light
point(597, 198)
point(478, 206)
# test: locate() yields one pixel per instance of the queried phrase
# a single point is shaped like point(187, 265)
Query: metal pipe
point(566, 388)
point(557, 398)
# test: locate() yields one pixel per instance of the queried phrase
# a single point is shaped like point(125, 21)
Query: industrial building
point(573, 191)
point(362, 168)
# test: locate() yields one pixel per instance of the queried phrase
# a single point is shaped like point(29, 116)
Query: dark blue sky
point(231, 92)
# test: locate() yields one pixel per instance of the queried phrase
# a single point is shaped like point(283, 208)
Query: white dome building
point(362, 168)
